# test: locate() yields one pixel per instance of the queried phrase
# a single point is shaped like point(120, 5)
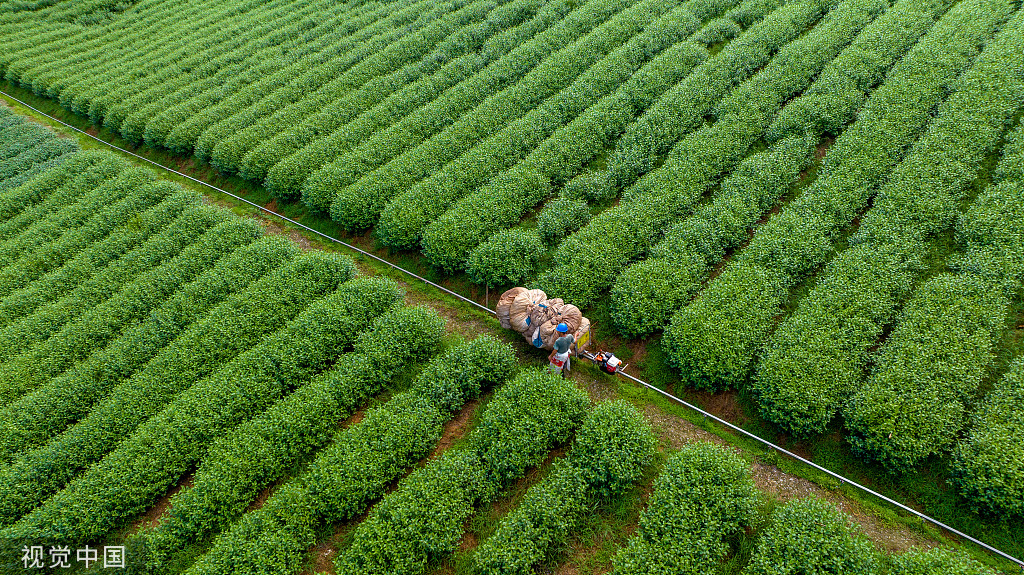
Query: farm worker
point(559, 357)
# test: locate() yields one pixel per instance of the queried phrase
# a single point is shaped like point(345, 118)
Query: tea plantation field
point(815, 206)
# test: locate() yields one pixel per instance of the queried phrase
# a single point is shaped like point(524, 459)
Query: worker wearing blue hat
point(559, 357)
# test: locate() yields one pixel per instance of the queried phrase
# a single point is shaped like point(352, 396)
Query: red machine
point(606, 362)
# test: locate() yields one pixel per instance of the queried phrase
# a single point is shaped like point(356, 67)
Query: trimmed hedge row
point(817, 357)
point(356, 42)
point(310, 146)
point(936, 561)
point(556, 25)
point(65, 399)
point(560, 158)
point(943, 345)
point(644, 297)
point(70, 186)
point(92, 330)
point(94, 258)
point(49, 318)
point(229, 67)
point(559, 218)
point(18, 135)
point(505, 199)
point(126, 482)
point(682, 108)
point(651, 290)
point(704, 495)
point(43, 258)
point(183, 137)
point(229, 39)
point(69, 78)
point(812, 537)
point(417, 84)
point(36, 169)
point(424, 517)
point(28, 194)
point(612, 447)
point(258, 452)
point(626, 231)
point(72, 215)
point(335, 25)
point(223, 143)
point(530, 74)
point(922, 198)
point(510, 257)
point(38, 154)
point(450, 227)
point(27, 149)
point(234, 327)
point(986, 468)
point(798, 240)
point(845, 84)
point(359, 465)
point(402, 62)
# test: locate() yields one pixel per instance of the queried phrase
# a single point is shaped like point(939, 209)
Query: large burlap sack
point(548, 333)
point(521, 307)
point(568, 314)
point(504, 307)
point(543, 312)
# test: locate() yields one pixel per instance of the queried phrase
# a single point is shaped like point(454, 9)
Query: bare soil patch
point(156, 513)
point(456, 428)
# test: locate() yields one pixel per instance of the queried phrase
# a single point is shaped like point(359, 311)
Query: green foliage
point(447, 30)
point(93, 259)
point(571, 139)
point(612, 447)
point(544, 519)
point(987, 465)
point(936, 561)
point(704, 495)
point(125, 482)
point(815, 360)
point(597, 187)
point(699, 153)
point(718, 30)
point(556, 25)
point(811, 536)
point(648, 292)
point(92, 330)
point(561, 217)
point(796, 242)
point(341, 125)
point(67, 398)
point(26, 194)
point(260, 451)
point(35, 200)
point(26, 248)
point(681, 108)
point(710, 341)
point(913, 405)
point(359, 465)
point(234, 327)
point(424, 516)
point(413, 205)
point(509, 257)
